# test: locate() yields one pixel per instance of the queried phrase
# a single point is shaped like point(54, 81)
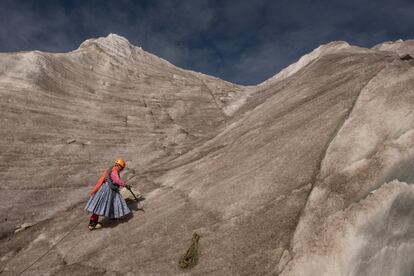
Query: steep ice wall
point(375, 145)
point(288, 180)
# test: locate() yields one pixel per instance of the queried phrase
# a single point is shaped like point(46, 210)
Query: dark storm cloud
point(241, 41)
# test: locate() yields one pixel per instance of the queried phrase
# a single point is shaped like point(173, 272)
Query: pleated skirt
point(108, 203)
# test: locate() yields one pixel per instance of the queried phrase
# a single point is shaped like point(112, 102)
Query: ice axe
point(130, 190)
point(128, 187)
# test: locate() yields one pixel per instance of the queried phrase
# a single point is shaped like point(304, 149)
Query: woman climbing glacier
point(105, 198)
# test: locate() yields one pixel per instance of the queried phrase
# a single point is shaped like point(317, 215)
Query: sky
point(241, 41)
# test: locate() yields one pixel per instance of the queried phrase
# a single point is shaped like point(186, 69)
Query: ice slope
point(66, 117)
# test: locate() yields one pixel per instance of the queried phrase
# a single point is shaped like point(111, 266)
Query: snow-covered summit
point(112, 43)
point(308, 58)
point(401, 47)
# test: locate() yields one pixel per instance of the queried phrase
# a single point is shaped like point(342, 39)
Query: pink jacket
point(116, 179)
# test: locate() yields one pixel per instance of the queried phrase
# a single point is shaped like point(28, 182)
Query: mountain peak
point(111, 43)
point(111, 39)
point(401, 47)
point(328, 48)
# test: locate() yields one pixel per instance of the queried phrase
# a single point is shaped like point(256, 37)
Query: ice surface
point(372, 237)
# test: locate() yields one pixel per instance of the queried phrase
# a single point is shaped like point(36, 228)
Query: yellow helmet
point(120, 162)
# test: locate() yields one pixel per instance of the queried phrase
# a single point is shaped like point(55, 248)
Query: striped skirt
point(106, 202)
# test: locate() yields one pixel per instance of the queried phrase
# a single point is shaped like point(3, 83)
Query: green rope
point(190, 258)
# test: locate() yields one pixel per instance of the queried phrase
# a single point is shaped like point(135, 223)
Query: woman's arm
point(116, 179)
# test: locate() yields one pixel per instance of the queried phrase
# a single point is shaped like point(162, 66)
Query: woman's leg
point(93, 222)
point(94, 218)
